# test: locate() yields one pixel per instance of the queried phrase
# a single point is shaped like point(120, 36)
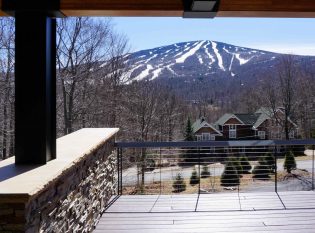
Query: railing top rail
point(201, 144)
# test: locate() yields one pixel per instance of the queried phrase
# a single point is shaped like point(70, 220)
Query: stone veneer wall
point(73, 202)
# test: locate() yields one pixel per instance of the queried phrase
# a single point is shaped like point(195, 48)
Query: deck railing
point(214, 166)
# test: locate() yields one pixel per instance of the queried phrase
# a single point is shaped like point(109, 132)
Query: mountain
point(203, 59)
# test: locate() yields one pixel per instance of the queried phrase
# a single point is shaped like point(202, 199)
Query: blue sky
point(295, 36)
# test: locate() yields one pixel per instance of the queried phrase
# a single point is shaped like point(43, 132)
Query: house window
point(232, 131)
point(262, 135)
point(205, 137)
point(291, 134)
point(199, 137)
point(212, 137)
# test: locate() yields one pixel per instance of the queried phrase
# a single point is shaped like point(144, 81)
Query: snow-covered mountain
point(201, 59)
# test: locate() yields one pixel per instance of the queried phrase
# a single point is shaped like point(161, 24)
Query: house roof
point(201, 123)
point(248, 119)
point(225, 118)
point(267, 113)
point(261, 119)
point(265, 110)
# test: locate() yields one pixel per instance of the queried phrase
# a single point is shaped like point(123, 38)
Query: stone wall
point(72, 202)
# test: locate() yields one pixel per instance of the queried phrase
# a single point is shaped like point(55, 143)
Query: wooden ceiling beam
point(228, 8)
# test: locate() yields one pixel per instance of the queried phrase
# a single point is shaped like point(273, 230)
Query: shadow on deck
point(233, 212)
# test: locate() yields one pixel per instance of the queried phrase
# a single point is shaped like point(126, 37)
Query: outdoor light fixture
point(200, 8)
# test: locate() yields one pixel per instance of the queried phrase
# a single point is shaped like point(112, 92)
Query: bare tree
point(7, 86)
point(280, 93)
point(80, 46)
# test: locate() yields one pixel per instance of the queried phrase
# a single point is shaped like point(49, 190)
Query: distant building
point(261, 125)
point(204, 131)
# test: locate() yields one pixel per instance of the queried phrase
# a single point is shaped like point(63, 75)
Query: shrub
point(289, 162)
point(261, 171)
point(230, 176)
point(179, 184)
point(150, 165)
point(246, 167)
point(205, 173)
point(194, 178)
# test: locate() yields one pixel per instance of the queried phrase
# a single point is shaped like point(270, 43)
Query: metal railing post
point(276, 169)
point(118, 172)
point(121, 166)
point(160, 171)
point(313, 148)
point(199, 170)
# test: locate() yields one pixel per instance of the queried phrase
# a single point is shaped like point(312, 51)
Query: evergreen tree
point(236, 163)
point(189, 134)
point(179, 184)
point(246, 167)
point(261, 171)
point(270, 161)
point(205, 173)
point(230, 176)
point(194, 178)
point(190, 153)
point(289, 162)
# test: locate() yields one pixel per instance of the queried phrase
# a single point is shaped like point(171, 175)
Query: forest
point(94, 90)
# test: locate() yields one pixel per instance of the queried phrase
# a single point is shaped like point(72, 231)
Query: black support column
point(35, 80)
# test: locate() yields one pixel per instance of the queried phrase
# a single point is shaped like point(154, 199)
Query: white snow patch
point(154, 56)
point(156, 73)
point(167, 51)
point(216, 51)
point(242, 61)
point(230, 68)
point(209, 54)
point(127, 75)
point(190, 52)
point(144, 73)
point(170, 69)
point(200, 59)
point(102, 65)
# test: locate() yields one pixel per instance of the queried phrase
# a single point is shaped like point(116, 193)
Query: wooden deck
point(244, 212)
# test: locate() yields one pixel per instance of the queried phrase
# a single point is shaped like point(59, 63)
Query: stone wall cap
point(20, 183)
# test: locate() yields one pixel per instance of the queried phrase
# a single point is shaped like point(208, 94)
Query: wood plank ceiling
point(228, 8)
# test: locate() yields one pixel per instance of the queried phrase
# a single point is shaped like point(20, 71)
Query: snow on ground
point(151, 58)
point(144, 73)
point(230, 68)
point(190, 52)
point(209, 54)
point(170, 69)
point(200, 59)
point(216, 51)
point(242, 61)
point(180, 53)
point(156, 73)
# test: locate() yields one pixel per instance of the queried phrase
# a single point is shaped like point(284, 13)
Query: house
point(204, 131)
point(263, 124)
point(237, 126)
point(272, 123)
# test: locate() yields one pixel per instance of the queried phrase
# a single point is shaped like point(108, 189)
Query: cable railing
point(214, 166)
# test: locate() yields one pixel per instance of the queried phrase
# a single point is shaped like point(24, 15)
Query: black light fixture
point(200, 8)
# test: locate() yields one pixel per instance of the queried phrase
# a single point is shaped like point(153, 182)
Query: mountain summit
point(200, 59)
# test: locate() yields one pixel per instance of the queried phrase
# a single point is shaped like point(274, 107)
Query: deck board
point(289, 212)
